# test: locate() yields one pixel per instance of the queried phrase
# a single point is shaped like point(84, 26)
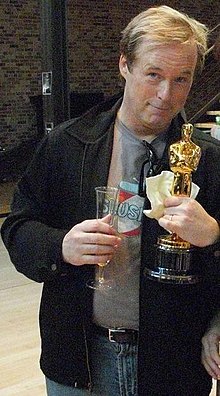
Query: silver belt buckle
point(111, 333)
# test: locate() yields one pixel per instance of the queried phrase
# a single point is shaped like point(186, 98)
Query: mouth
point(159, 107)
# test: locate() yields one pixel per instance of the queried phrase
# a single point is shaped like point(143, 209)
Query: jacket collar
point(102, 115)
point(85, 128)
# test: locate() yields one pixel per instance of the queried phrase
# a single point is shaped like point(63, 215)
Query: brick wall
point(20, 65)
point(94, 28)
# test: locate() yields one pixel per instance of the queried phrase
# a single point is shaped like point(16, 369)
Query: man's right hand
point(90, 242)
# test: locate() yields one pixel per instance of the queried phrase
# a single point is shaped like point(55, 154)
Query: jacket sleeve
point(34, 243)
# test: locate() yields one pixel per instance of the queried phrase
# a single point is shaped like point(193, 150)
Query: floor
point(19, 341)
point(6, 193)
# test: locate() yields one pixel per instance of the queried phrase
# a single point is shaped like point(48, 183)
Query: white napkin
point(157, 189)
point(215, 131)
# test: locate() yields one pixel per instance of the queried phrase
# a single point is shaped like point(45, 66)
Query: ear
point(123, 67)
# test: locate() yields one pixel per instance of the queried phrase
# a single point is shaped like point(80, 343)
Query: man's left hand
point(210, 352)
point(189, 220)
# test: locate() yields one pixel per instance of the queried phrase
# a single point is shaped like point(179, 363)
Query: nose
point(164, 90)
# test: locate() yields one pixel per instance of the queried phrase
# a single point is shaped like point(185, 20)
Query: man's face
point(157, 85)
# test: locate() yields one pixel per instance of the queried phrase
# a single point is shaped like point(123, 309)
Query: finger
point(106, 228)
point(90, 254)
point(210, 359)
point(91, 260)
point(211, 366)
point(207, 362)
point(209, 370)
point(211, 345)
point(212, 369)
point(214, 355)
point(168, 223)
point(175, 200)
point(169, 217)
point(98, 225)
point(97, 250)
point(95, 259)
point(106, 219)
point(96, 239)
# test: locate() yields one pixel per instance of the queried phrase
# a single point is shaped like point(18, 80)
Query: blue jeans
point(113, 369)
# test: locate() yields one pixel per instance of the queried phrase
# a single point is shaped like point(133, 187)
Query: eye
point(153, 75)
point(182, 80)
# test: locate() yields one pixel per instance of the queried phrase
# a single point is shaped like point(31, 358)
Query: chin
point(158, 123)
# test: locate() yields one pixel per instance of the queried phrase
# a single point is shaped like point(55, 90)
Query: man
point(141, 337)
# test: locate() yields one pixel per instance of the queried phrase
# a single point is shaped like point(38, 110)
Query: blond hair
point(163, 25)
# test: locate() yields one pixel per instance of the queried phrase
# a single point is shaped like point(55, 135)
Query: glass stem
point(101, 273)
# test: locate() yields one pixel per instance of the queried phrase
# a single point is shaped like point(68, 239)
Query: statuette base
point(173, 262)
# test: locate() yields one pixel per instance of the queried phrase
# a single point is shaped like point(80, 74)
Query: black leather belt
point(118, 335)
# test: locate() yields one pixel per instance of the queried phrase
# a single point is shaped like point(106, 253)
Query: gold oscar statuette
point(174, 256)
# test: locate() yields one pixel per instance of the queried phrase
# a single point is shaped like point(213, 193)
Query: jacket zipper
point(82, 170)
point(87, 360)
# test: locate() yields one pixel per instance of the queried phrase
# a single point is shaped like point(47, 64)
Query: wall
point(94, 28)
point(20, 66)
point(93, 46)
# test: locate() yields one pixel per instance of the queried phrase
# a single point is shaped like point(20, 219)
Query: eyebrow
point(187, 72)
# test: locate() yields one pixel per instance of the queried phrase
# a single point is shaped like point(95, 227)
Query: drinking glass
point(106, 203)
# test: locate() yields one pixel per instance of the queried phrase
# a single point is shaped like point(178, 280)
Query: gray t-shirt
point(119, 306)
